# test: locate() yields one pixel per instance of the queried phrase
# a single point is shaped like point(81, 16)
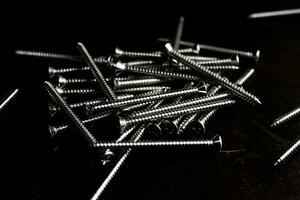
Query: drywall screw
point(170, 114)
point(196, 123)
point(70, 114)
point(255, 55)
point(57, 56)
point(81, 91)
point(137, 82)
point(215, 61)
point(211, 67)
point(142, 89)
point(167, 95)
point(216, 141)
point(11, 96)
point(136, 106)
point(52, 71)
point(289, 153)
point(178, 34)
point(54, 130)
point(138, 134)
point(156, 73)
point(131, 54)
point(286, 117)
point(139, 62)
point(186, 103)
point(239, 91)
point(96, 71)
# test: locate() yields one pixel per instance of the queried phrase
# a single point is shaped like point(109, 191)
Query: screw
point(52, 71)
point(197, 108)
point(57, 56)
point(142, 55)
point(8, 99)
point(214, 76)
point(167, 95)
point(215, 61)
point(156, 73)
point(96, 71)
point(137, 82)
point(195, 123)
point(289, 153)
point(139, 62)
point(255, 55)
point(76, 91)
point(54, 130)
point(142, 89)
point(286, 117)
point(177, 39)
point(217, 141)
point(70, 114)
point(211, 67)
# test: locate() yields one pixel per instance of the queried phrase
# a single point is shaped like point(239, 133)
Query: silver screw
point(142, 55)
point(71, 115)
point(286, 117)
point(156, 73)
point(167, 95)
point(215, 61)
point(212, 67)
point(137, 82)
point(201, 107)
point(289, 153)
point(81, 91)
point(177, 39)
point(214, 76)
point(54, 130)
point(11, 96)
point(96, 71)
point(57, 56)
point(142, 89)
point(196, 123)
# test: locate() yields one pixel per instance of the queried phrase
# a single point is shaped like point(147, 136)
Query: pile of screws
point(166, 96)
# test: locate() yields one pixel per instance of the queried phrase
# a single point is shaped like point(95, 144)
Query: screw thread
point(8, 99)
point(131, 54)
point(76, 91)
point(289, 153)
point(239, 91)
point(286, 117)
point(71, 115)
point(96, 71)
point(142, 89)
point(212, 67)
point(137, 82)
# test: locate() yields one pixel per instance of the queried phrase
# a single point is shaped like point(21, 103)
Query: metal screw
point(81, 91)
point(196, 123)
point(215, 61)
point(217, 141)
point(142, 89)
point(8, 99)
point(96, 71)
point(57, 56)
point(286, 117)
point(142, 55)
point(177, 39)
point(212, 67)
point(201, 107)
point(214, 76)
point(156, 73)
point(54, 130)
point(137, 82)
point(289, 153)
point(167, 95)
point(255, 55)
point(71, 115)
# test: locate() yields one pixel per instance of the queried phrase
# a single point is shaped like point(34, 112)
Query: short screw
point(289, 153)
point(11, 96)
point(286, 117)
point(96, 71)
point(214, 76)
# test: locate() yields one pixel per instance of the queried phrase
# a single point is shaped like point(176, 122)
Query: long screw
point(167, 95)
point(57, 56)
point(96, 71)
point(286, 117)
point(70, 114)
point(170, 114)
point(137, 82)
point(147, 144)
point(289, 153)
point(8, 99)
point(54, 130)
point(198, 122)
point(178, 34)
point(214, 76)
point(142, 89)
point(156, 73)
point(255, 55)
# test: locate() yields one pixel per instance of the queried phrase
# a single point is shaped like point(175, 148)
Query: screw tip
point(277, 163)
point(217, 139)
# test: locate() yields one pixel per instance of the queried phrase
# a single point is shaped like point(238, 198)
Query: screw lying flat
point(8, 99)
point(286, 117)
point(214, 76)
point(289, 153)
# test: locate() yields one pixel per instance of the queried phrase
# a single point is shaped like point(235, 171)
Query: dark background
point(36, 171)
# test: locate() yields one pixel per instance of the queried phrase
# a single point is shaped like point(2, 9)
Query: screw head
point(195, 128)
point(153, 130)
point(168, 128)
